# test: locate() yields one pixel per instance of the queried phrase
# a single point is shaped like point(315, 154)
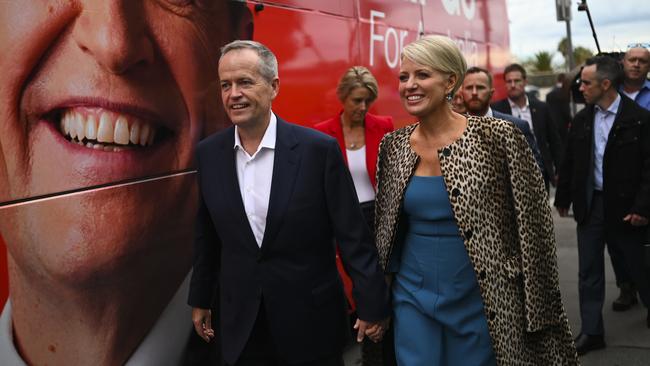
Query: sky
point(534, 26)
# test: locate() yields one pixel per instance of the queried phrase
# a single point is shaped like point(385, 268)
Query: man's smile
point(101, 129)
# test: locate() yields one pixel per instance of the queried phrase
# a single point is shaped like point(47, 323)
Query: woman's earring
point(449, 97)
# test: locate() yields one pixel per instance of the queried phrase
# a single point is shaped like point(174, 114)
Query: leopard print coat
point(501, 207)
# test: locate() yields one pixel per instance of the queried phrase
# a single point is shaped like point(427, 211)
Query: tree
point(543, 61)
point(580, 54)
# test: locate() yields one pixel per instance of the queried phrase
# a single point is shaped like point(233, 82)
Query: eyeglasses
point(638, 45)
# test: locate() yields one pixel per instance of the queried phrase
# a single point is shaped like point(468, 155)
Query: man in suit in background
point(476, 92)
point(606, 176)
point(534, 112)
point(273, 195)
point(558, 103)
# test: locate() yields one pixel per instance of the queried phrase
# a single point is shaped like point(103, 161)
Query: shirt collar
point(489, 112)
point(268, 140)
point(163, 345)
point(613, 108)
point(515, 105)
point(646, 85)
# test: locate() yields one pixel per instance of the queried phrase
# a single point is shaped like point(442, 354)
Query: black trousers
point(261, 351)
point(592, 236)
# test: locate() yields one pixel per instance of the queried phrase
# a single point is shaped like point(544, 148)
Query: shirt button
point(493, 315)
point(446, 151)
point(455, 192)
point(468, 234)
point(482, 274)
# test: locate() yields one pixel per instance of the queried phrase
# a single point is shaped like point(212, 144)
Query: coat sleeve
point(543, 305)
point(357, 249)
point(565, 171)
point(641, 204)
point(206, 257)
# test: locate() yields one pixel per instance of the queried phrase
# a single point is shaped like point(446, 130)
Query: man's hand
point(202, 319)
point(636, 220)
point(374, 331)
point(563, 211)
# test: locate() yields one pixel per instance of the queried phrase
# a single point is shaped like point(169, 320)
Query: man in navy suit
point(477, 90)
point(536, 113)
point(273, 197)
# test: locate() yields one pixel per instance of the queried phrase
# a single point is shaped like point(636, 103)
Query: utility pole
point(563, 9)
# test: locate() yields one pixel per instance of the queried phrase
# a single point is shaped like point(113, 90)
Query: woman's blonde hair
point(439, 53)
point(357, 77)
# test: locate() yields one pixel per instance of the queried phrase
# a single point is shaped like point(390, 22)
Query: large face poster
point(101, 106)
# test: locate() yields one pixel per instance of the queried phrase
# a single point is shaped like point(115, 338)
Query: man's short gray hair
point(268, 67)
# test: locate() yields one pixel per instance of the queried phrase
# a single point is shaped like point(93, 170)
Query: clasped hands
point(373, 330)
point(202, 320)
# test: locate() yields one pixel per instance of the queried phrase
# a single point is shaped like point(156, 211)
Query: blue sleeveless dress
point(438, 310)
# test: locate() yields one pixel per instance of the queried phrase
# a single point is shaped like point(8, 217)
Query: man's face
point(592, 88)
point(245, 93)
point(94, 92)
point(515, 84)
point(636, 64)
point(477, 92)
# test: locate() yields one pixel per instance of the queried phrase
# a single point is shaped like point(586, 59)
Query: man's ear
point(606, 84)
point(242, 20)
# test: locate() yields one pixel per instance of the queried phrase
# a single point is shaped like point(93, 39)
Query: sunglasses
point(638, 45)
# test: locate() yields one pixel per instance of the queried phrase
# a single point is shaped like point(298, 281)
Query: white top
point(164, 344)
point(522, 112)
point(603, 122)
point(254, 174)
point(631, 95)
point(359, 172)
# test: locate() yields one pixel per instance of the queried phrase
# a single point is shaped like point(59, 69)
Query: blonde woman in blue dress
point(464, 228)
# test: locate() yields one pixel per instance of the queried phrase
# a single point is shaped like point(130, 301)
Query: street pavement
point(627, 338)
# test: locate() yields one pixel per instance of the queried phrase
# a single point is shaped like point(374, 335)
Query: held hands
point(636, 220)
point(563, 211)
point(202, 319)
point(374, 331)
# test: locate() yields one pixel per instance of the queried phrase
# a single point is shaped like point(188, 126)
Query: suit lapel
point(231, 192)
point(285, 168)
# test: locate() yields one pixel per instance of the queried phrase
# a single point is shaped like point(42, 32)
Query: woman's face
point(356, 104)
point(100, 91)
point(421, 88)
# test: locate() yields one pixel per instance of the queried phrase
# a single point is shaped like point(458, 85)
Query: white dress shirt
point(164, 345)
point(359, 173)
point(522, 112)
point(603, 121)
point(254, 173)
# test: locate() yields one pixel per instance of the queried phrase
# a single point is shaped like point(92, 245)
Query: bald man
point(636, 65)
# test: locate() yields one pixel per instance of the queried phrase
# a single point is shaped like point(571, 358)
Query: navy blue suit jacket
point(293, 274)
point(546, 134)
point(525, 129)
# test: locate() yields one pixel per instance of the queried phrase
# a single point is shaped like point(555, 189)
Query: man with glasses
point(536, 113)
point(605, 175)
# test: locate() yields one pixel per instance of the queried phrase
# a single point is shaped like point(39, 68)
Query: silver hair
point(268, 67)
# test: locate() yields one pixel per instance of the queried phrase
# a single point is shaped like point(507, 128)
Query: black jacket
point(294, 273)
point(626, 165)
point(548, 139)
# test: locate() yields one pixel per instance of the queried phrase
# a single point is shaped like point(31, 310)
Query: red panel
point(313, 49)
